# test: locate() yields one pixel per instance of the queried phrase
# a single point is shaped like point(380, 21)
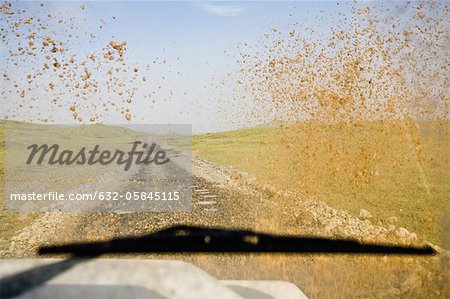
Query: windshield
point(254, 128)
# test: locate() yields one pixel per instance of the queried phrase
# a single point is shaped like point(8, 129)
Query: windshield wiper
point(189, 239)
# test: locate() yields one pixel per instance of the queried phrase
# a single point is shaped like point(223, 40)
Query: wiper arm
point(189, 239)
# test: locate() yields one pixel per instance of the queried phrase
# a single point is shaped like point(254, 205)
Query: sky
point(199, 42)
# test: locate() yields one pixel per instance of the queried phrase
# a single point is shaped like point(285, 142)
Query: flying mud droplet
point(97, 79)
point(375, 72)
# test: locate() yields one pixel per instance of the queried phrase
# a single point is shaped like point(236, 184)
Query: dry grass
point(311, 171)
point(397, 169)
point(17, 133)
point(389, 168)
point(11, 222)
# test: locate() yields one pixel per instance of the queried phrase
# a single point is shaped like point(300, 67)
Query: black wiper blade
point(189, 239)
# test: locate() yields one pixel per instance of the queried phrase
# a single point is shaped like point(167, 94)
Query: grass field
point(390, 168)
point(17, 133)
point(349, 166)
point(397, 169)
point(10, 222)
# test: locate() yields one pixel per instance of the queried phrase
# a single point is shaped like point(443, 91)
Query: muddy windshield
point(296, 141)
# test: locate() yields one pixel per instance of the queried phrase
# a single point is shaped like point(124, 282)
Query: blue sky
point(194, 38)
